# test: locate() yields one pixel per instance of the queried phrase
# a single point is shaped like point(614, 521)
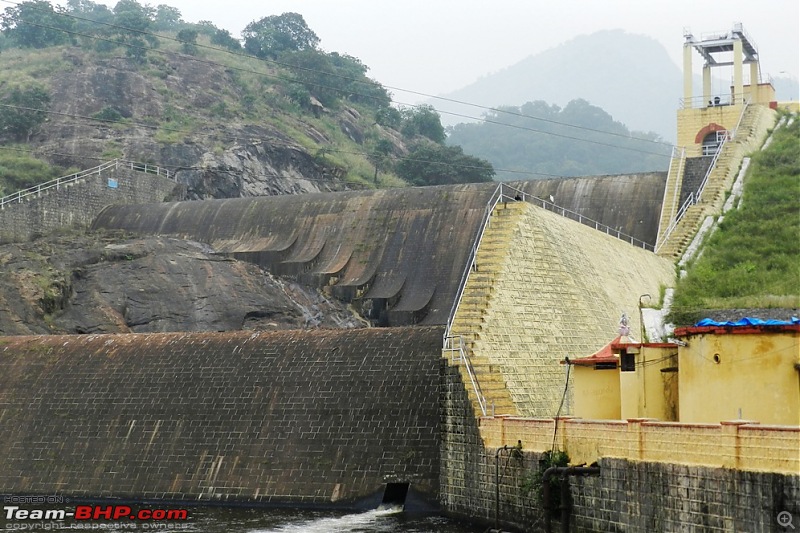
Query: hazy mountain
point(629, 76)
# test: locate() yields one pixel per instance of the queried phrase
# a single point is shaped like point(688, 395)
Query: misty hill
point(630, 76)
point(593, 143)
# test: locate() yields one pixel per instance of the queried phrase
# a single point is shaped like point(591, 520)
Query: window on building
point(627, 361)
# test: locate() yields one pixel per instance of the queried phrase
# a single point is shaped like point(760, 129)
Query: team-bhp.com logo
point(95, 512)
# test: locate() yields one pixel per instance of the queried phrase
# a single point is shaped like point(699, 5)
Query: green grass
point(20, 170)
point(753, 259)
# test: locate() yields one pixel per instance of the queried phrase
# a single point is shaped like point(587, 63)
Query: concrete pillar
point(706, 84)
point(687, 75)
point(754, 83)
point(738, 82)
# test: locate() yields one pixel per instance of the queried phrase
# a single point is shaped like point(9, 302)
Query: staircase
point(708, 200)
point(468, 321)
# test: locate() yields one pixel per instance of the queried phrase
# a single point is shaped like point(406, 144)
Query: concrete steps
point(476, 300)
point(720, 180)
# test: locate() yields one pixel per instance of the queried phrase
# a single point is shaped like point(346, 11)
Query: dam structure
point(221, 412)
point(490, 314)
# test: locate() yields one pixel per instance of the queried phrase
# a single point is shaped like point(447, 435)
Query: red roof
point(603, 355)
point(608, 353)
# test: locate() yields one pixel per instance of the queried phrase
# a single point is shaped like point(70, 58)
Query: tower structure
point(705, 120)
point(715, 130)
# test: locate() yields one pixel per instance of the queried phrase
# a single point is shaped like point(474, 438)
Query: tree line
point(579, 139)
point(317, 77)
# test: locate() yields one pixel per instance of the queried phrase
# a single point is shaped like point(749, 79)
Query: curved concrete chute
point(404, 247)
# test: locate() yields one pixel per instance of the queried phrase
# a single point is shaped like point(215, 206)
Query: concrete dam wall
point(313, 417)
point(397, 254)
point(630, 203)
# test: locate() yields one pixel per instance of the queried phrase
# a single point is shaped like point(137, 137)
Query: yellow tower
point(715, 130)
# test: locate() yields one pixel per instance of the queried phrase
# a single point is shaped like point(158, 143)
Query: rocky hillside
point(110, 283)
point(192, 116)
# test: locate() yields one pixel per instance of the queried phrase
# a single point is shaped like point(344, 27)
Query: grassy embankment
point(752, 260)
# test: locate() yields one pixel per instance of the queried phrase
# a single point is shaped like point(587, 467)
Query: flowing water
point(241, 520)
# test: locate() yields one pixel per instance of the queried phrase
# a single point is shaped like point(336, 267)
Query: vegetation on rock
point(167, 91)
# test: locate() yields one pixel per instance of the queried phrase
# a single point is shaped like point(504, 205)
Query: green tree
point(380, 156)
point(167, 18)
point(24, 111)
point(224, 39)
point(87, 14)
point(36, 24)
point(434, 164)
point(134, 23)
point(188, 38)
point(422, 120)
point(273, 35)
point(388, 116)
point(315, 72)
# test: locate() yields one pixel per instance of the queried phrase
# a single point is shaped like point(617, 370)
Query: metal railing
point(695, 196)
point(502, 191)
point(458, 353)
point(714, 100)
point(586, 221)
point(681, 158)
point(57, 183)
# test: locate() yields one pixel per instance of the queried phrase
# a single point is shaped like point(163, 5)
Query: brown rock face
point(111, 284)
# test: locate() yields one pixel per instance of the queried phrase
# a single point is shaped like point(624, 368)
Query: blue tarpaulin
point(747, 321)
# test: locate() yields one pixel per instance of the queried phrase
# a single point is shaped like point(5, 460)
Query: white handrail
point(71, 178)
point(463, 356)
point(694, 197)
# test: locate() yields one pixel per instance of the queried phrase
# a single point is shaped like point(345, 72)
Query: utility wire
point(355, 80)
point(331, 74)
point(274, 142)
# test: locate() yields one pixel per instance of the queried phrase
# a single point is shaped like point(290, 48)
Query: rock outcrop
point(96, 283)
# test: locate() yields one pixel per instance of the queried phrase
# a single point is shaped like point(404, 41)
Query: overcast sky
point(437, 46)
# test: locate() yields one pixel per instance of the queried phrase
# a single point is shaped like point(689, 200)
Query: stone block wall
point(629, 495)
point(646, 497)
point(76, 204)
point(324, 417)
point(560, 293)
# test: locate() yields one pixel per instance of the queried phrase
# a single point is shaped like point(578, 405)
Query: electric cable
point(321, 86)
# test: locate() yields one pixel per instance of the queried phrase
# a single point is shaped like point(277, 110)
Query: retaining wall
point(324, 417)
point(76, 204)
point(655, 477)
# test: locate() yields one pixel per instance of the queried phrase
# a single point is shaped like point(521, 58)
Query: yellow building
point(712, 374)
point(740, 372)
point(626, 379)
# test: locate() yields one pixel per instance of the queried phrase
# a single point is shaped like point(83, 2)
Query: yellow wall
point(736, 444)
point(754, 379)
point(691, 121)
point(597, 393)
point(560, 292)
point(648, 392)
point(764, 93)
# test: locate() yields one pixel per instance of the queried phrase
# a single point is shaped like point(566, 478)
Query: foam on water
point(367, 521)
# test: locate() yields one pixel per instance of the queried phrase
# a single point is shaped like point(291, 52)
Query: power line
point(273, 142)
point(298, 67)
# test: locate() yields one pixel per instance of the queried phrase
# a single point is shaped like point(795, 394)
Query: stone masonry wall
point(561, 292)
point(629, 496)
point(76, 204)
point(322, 417)
point(642, 497)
